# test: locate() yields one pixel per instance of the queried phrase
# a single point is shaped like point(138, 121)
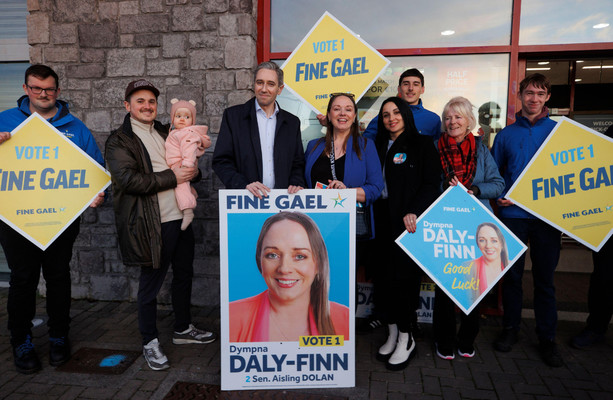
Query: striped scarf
point(458, 159)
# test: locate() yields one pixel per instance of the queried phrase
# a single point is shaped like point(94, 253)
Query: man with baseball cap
point(148, 219)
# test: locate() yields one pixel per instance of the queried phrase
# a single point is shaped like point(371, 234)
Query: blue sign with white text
point(462, 246)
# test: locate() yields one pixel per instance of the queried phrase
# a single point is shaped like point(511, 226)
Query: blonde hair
point(462, 106)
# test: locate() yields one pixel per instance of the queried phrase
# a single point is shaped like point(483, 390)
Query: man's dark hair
point(41, 71)
point(537, 80)
point(411, 72)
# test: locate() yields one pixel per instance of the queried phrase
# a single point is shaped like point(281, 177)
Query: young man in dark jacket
point(149, 221)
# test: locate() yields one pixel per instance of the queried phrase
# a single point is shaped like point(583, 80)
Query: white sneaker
point(193, 335)
point(155, 357)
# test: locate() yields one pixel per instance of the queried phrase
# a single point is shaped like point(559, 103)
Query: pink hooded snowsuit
point(184, 146)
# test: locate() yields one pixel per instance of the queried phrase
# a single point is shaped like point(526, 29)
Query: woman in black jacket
point(412, 175)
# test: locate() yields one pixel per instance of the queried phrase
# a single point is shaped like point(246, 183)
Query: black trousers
point(600, 295)
point(25, 261)
point(396, 277)
point(178, 250)
point(444, 322)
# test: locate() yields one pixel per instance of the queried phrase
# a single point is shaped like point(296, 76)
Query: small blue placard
point(462, 246)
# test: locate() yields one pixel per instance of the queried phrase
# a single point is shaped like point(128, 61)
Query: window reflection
point(11, 81)
point(397, 23)
point(565, 21)
point(480, 78)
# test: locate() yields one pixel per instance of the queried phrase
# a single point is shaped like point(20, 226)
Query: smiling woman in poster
point(494, 260)
point(465, 159)
point(292, 257)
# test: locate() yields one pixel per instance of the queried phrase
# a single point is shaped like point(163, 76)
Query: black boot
point(59, 351)
point(26, 359)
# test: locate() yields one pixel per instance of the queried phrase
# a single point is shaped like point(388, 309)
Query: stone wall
point(191, 49)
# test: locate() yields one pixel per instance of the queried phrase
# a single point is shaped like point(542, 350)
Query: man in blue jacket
point(513, 149)
point(410, 88)
point(24, 258)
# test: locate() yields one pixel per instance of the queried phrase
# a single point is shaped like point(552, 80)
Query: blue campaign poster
point(462, 246)
point(287, 276)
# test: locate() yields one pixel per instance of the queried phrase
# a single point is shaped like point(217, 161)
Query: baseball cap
point(140, 84)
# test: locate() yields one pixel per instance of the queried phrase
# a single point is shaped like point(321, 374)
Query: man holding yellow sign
point(24, 258)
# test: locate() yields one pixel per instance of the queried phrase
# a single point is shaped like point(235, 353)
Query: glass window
point(565, 21)
point(397, 23)
point(11, 84)
point(13, 31)
point(13, 47)
point(482, 79)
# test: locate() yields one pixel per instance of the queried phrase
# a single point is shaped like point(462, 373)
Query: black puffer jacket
point(135, 185)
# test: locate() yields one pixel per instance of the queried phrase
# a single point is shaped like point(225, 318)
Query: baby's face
point(182, 118)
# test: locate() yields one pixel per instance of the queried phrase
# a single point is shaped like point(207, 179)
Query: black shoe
point(26, 359)
point(586, 338)
point(505, 341)
point(365, 326)
point(59, 351)
point(550, 354)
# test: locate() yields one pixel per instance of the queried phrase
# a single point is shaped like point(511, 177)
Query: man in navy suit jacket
point(259, 146)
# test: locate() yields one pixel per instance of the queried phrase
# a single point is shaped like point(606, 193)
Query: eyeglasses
point(350, 95)
point(38, 90)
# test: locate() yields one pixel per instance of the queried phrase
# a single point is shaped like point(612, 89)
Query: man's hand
point(184, 174)
point(504, 202)
point(258, 189)
point(335, 184)
point(292, 189)
point(323, 120)
point(410, 222)
point(98, 200)
point(4, 136)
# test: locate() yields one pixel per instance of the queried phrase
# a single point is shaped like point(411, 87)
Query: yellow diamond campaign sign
point(46, 181)
point(331, 58)
point(569, 183)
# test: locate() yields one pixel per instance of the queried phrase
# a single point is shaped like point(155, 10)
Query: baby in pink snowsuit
point(184, 145)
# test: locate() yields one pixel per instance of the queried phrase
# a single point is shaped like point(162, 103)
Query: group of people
point(398, 167)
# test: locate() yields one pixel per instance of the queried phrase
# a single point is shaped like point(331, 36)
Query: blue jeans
point(544, 253)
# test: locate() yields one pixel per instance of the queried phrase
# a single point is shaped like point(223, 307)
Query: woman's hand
point(410, 222)
point(335, 184)
point(455, 181)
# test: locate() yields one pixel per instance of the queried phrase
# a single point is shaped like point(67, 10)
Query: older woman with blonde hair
point(465, 159)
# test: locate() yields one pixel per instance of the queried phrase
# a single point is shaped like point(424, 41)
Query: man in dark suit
point(259, 146)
